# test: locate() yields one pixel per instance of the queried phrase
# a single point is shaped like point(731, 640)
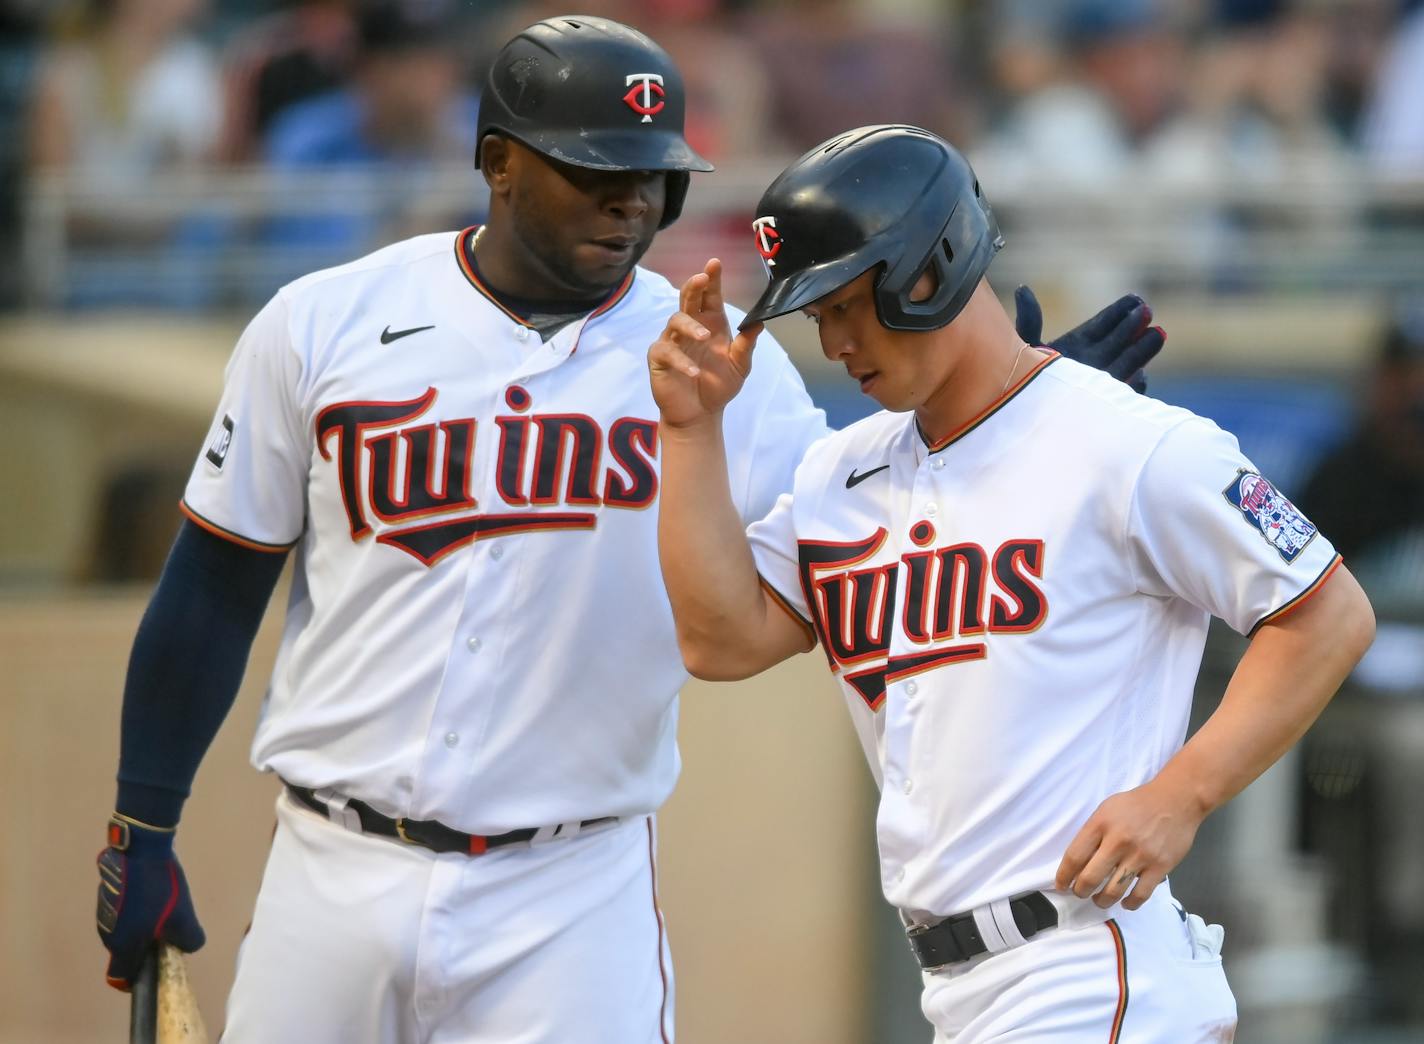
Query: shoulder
point(1099, 403)
point(1132, 433)
point(390, 269)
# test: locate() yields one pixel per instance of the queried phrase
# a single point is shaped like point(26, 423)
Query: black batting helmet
point(894, 197)
point(593, 93)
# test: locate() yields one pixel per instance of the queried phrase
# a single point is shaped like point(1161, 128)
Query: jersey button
point(931, 509)
point(937, 463)
point(521, 333)
point(909, 786)
point(911, 688)
point(900, 876)
point(497, 552)
point(473, 644)
point(452, 739)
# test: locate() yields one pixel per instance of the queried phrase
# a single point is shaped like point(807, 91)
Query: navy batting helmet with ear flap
point(890, 197)
point(593, 93)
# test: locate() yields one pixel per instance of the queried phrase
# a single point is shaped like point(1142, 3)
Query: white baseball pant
point(363, 940)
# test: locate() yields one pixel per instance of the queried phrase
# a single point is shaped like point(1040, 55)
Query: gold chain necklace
point(1013, 368)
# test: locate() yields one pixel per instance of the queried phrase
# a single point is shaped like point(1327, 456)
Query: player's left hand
point(697, 366)
point(1138, 835)
point(143, 898)
point(1120, 339)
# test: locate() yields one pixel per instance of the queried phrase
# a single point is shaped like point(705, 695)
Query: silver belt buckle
point(914, 929)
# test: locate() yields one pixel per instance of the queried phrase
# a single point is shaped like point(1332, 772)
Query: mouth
point(866, 379)
point(616, 249)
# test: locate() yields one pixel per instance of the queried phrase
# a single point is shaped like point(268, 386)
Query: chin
point(893, 403)
point(604, 279)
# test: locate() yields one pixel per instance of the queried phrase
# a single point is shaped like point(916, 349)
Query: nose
point(629, 195)
point(836, 343)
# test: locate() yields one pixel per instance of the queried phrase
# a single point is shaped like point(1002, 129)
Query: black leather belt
point(956, 939)
point(425, 832)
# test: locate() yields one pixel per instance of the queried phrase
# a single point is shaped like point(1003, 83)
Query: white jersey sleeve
point(1206, 526)
point(769, 427)
point(773, 544)
point(249, 481)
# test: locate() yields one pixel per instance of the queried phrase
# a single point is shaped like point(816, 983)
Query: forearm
point(186, 667)
point(707, 563)
point(1289, 673)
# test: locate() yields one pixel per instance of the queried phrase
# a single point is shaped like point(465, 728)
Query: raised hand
point(697, 366)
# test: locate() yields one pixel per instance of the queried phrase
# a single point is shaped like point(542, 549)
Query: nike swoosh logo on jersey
point(853, 480)
point(387, 337)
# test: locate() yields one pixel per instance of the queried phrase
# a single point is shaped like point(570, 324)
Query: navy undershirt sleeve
point(186, 666)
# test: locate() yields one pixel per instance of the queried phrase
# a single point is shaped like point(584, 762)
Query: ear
point(495, 155)
point(925, 286)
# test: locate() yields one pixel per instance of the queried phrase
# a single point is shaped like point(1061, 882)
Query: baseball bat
point(179, 1021)
point(143, 1001)
point(164, 1009)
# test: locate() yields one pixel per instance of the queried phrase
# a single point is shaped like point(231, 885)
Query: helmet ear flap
point(894, 302)
point(938, 262)
point(678, 182)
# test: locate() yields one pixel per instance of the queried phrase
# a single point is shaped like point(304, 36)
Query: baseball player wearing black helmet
point(548, 90)
point(1010, 569)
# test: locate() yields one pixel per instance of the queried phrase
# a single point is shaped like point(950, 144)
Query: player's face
point(893, 367)
point(582, 230)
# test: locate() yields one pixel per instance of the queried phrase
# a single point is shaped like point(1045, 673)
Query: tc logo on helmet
point(768, 239)
point(641, 90)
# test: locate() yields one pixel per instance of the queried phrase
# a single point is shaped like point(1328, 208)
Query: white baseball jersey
point(478, 631)
point(1016, 614)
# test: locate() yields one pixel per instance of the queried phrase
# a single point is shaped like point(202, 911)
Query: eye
point(813, 317)
point(840, 307)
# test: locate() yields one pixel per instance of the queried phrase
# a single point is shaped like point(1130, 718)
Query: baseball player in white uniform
point(474, 702)
point(1010, 571)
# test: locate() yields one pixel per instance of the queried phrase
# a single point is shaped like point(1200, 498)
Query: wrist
point(158, 806)
point(708, 425)
point(138, 838)
point(1194, 797)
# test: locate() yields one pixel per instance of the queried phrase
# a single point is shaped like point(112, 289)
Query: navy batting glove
point(143, 898)
point(1120, 339)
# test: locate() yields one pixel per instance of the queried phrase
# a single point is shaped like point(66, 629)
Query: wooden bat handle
point(179, 1021)
point(143, 1001)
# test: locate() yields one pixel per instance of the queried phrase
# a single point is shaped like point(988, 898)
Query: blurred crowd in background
point(187, 157)
point(111, 94)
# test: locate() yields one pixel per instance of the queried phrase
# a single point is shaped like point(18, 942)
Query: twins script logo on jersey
point(950, 593)
point(641, 89)
point(1279, 521)
point(414, 473)
point(768, 240)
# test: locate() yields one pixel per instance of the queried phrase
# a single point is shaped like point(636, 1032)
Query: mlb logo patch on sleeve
point(222, 442)
point(1276, 518)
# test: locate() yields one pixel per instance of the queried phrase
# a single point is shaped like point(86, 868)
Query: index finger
point(712, 296)
point(692, 293)
point(1080, 850)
